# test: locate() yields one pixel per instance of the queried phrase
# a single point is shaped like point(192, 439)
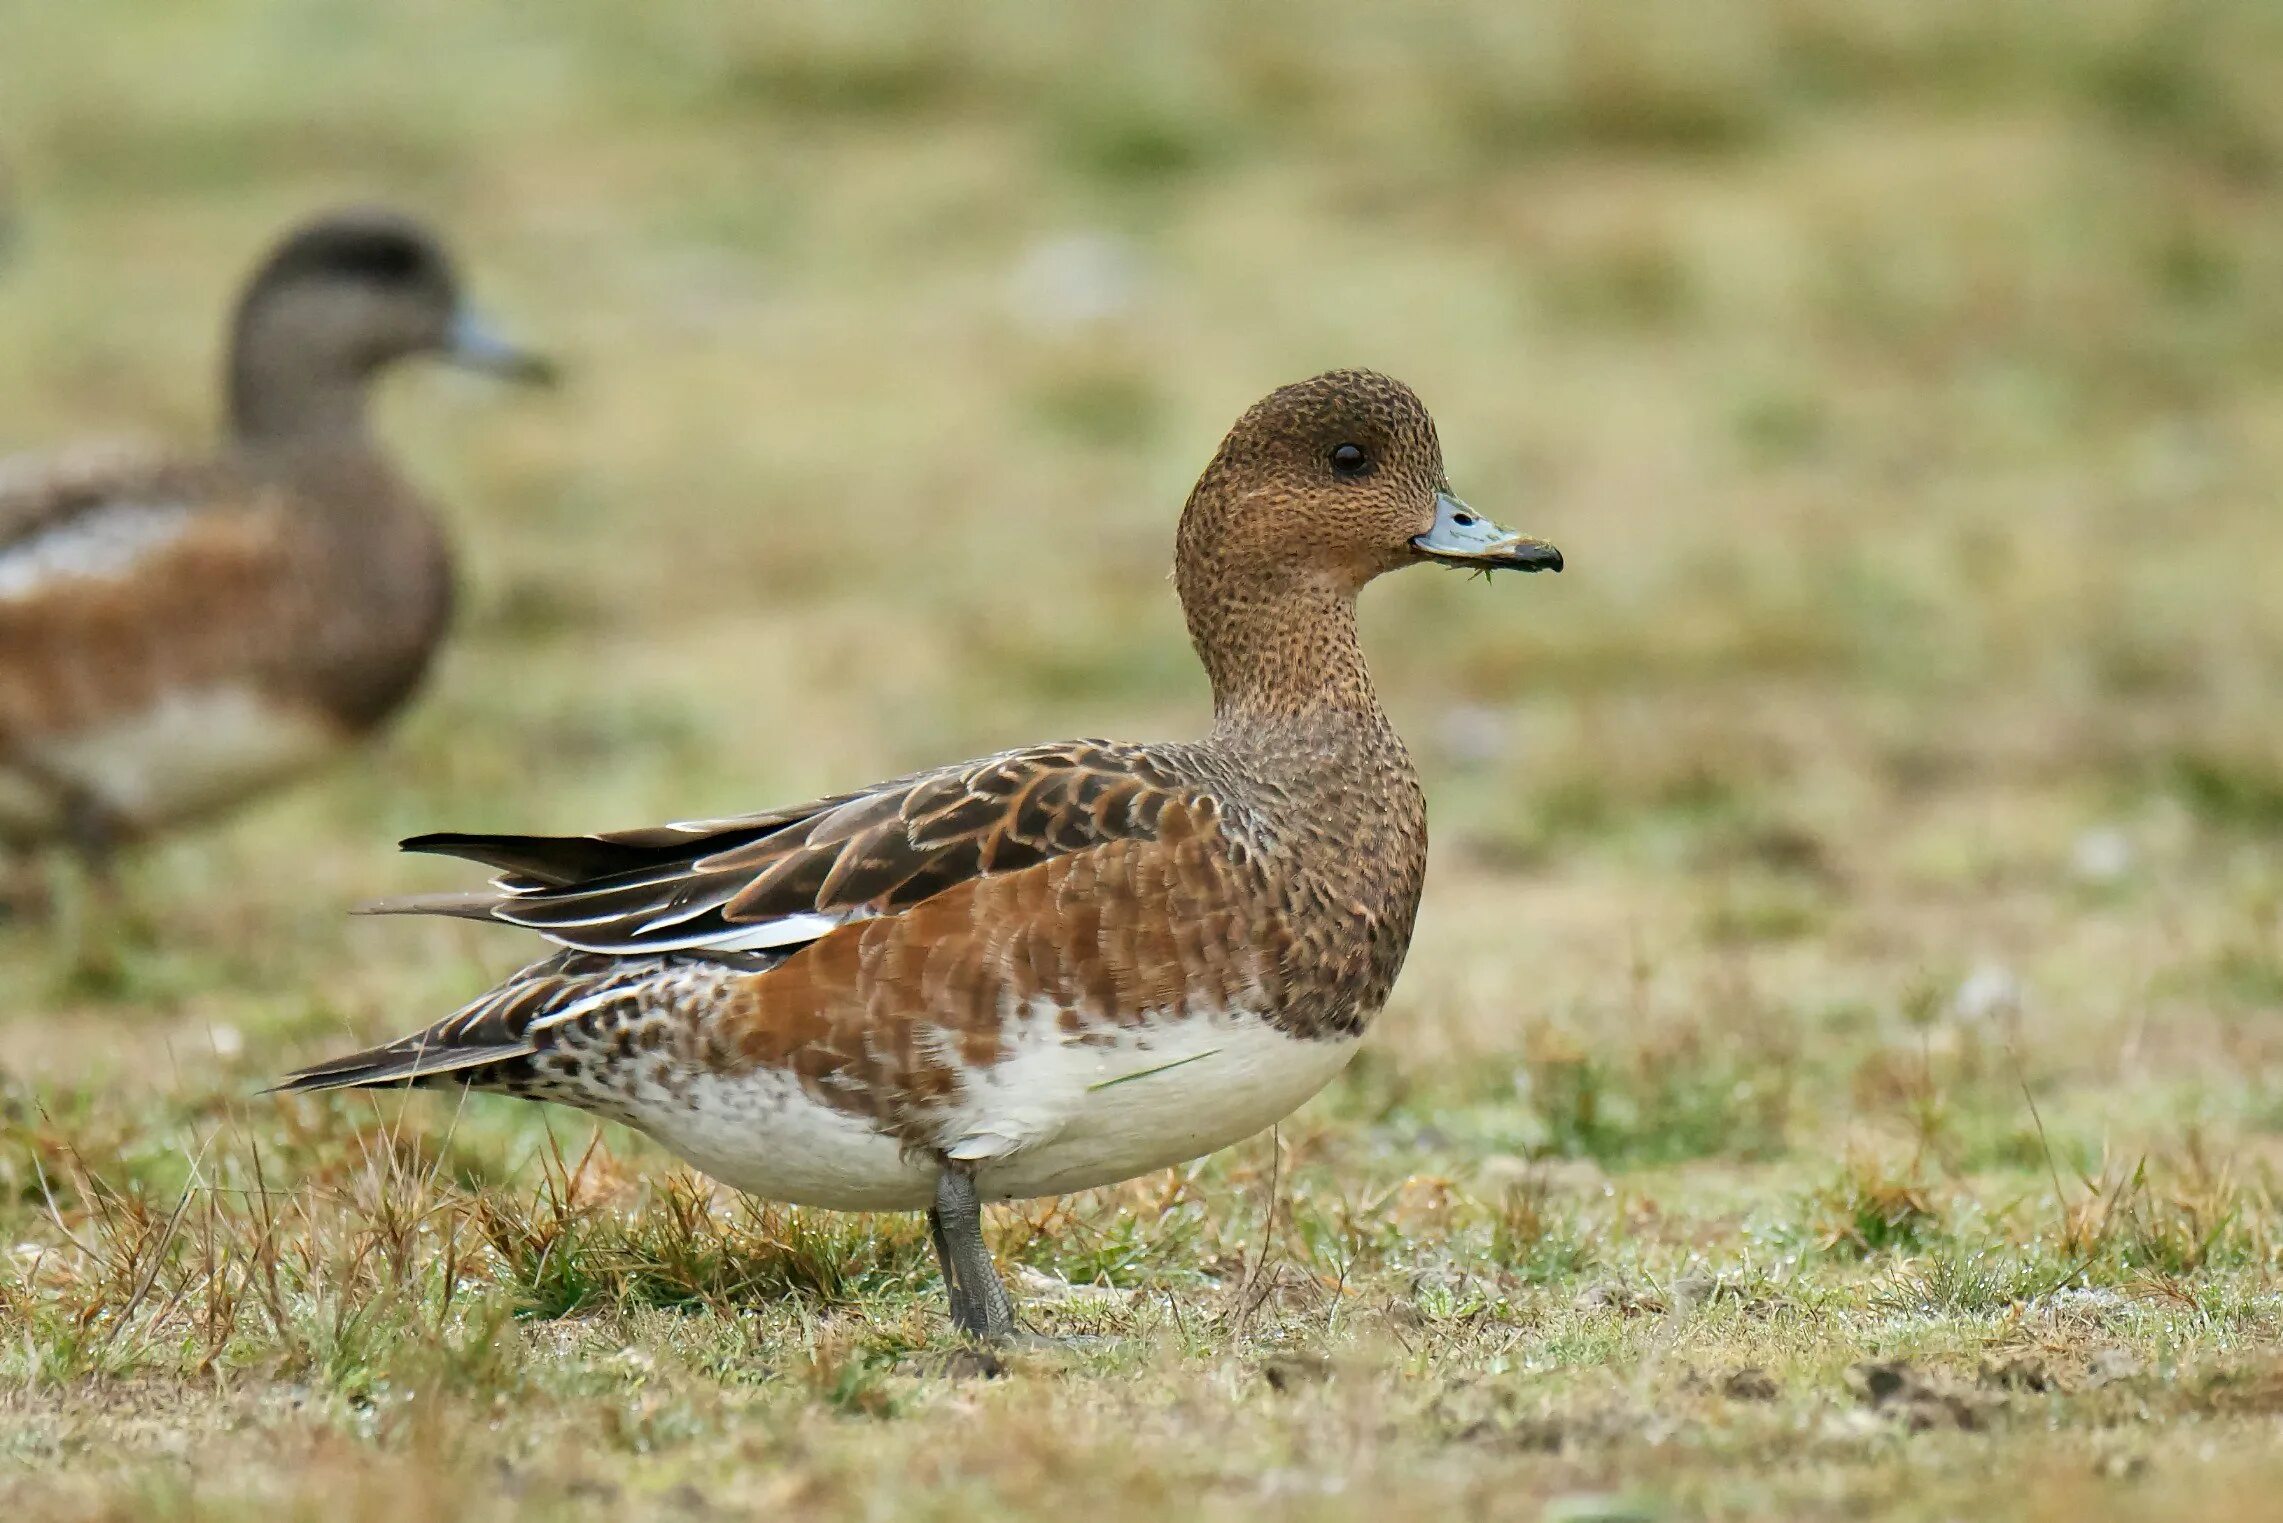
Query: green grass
point(1835, 1076)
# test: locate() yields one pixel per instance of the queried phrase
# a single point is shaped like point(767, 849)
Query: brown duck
point(177, 634)
point(1045, 970)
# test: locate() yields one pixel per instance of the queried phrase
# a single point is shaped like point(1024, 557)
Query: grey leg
point(86, 830)
point(23, 890)
point(979, 1304)
point(94, 838)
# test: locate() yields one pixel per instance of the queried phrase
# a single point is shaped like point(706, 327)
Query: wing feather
point(775, 881)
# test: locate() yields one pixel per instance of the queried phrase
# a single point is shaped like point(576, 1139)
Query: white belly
point(1063, 1116)
point(764, 1134)
point(1054, 1115)
point(187, 753)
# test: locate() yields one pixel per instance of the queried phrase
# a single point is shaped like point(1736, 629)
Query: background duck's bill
point(1463, 537)
point(474, 344)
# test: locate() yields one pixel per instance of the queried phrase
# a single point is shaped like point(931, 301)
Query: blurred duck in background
point(180, 633)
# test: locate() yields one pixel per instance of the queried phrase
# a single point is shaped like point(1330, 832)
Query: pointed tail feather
point(567, 861)
point(498, 1027)
point(471, 904)
point(552, 861)
point(399, 1063)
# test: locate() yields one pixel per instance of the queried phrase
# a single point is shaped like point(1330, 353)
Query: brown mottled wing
point(881, 1013)
point(41, 492)
point(764, 884)
point(890, 1017)
point(123, 575)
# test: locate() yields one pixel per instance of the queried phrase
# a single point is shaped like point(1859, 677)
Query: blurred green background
point(1917, 361)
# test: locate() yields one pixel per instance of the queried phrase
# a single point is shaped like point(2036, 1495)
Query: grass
point(1836, 1072)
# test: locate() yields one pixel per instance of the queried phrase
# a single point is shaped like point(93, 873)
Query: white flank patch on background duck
point(187, 752)
point(1054, 1114)
point(98, 545)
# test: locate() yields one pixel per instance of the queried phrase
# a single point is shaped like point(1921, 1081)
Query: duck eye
point(1350, 460)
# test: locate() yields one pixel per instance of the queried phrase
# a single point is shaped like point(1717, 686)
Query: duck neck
point(282, 389)
point(1287, 667)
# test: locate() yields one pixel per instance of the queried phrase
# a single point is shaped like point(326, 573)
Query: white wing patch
point(785, 931)
point(97, 545)
point(758, 936)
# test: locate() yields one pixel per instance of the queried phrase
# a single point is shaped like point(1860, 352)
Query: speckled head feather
point(1051, 968)
point(1328, 478)
point(1319, 487)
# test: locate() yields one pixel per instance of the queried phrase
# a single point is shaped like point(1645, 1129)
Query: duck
point(181, 632)
point(1045, 970)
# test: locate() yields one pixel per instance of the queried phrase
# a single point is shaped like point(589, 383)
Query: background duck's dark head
point(340, 298)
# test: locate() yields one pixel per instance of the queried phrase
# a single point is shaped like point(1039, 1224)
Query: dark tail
point(494, 1028)
point(400, 1063)
point(552, 861)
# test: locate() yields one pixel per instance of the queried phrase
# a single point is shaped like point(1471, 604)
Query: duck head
point(1337, 480)
point(338, 300)
point(1320, 487)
